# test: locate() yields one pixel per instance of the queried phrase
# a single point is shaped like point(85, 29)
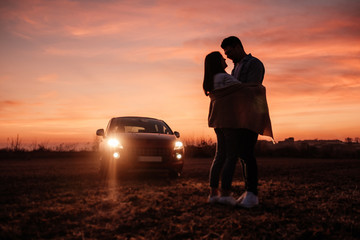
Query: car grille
point(150, 151)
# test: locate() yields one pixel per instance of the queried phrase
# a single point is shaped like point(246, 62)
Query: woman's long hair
point(213, 66)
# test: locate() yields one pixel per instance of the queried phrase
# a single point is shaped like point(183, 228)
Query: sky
point(67, 66)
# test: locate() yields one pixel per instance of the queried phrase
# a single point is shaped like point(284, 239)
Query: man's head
point(233, 48)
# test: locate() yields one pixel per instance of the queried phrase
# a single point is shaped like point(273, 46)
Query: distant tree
point(357, 140)
point(348, 140)
point(15, 145)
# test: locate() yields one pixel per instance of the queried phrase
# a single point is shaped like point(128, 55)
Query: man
point(240, 142)
point(247, 68)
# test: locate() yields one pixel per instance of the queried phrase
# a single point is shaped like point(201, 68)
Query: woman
point(215, 77)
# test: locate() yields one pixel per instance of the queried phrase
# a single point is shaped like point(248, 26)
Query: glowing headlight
point(116, 155)
point(178, 145)
point(113, 142)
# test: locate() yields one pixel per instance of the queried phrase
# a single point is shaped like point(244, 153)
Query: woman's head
point(214, 63)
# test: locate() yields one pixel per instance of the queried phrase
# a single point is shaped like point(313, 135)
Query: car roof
point(137, 117)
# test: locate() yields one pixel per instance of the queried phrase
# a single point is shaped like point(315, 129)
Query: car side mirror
point(177, 134)
point(100, 132)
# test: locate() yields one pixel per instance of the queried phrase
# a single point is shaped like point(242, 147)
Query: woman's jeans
point(219, 160)
point(233, 143)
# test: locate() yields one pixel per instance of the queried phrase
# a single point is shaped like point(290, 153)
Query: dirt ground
point(66, 199)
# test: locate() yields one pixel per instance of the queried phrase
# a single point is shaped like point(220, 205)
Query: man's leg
point(248, 141)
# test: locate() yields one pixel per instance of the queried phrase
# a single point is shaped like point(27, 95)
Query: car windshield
point(139, 125)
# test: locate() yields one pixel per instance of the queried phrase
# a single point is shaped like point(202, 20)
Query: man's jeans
point(233, 143)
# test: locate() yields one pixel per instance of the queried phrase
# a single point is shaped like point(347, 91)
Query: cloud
point(70, 63)
point(10, 103)
point(49, 78)
point(49, 95)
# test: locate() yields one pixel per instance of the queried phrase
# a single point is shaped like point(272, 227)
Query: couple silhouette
point(238, 113)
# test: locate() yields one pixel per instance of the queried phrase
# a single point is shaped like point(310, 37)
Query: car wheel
point(174, 174)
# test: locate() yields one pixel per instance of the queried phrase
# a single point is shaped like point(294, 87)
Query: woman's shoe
point(227, 200)
point(213, 199)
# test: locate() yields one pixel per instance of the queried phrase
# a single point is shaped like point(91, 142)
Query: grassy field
point(64, 198)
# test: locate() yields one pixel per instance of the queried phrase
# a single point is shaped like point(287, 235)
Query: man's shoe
point(227, 200)
point(250, 200)
point(213, 199)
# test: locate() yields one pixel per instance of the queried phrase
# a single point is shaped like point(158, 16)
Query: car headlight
point(113, 142)
point(178, 145)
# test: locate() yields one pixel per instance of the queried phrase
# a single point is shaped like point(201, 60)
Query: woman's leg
point(231, 137)
point(218, 162)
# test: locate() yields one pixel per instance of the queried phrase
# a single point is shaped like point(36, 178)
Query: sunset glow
point(68, 66)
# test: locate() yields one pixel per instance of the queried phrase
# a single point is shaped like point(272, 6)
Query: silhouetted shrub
point(204, 151)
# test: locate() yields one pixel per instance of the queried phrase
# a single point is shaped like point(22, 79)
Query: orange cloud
point(68, 66)
point(49, 78)
point(9, 103)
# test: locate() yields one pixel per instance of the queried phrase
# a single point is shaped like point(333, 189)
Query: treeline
point(308, 150)
point(204, 149)
point(46, 153)
point(298, 149)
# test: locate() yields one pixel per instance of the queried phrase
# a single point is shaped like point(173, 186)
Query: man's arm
point(256, 72)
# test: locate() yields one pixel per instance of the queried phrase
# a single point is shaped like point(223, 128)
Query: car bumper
point(126, 162)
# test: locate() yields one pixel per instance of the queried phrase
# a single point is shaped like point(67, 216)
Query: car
point(140, 144)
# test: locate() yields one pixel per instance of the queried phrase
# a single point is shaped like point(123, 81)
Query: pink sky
point(67, 67)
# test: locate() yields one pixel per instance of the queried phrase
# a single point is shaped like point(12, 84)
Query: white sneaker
point(250, 200)
point(227, 200)
point(213, 199)
point(239, 200)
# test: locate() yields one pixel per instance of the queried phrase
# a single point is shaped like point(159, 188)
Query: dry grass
point(65, 198)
